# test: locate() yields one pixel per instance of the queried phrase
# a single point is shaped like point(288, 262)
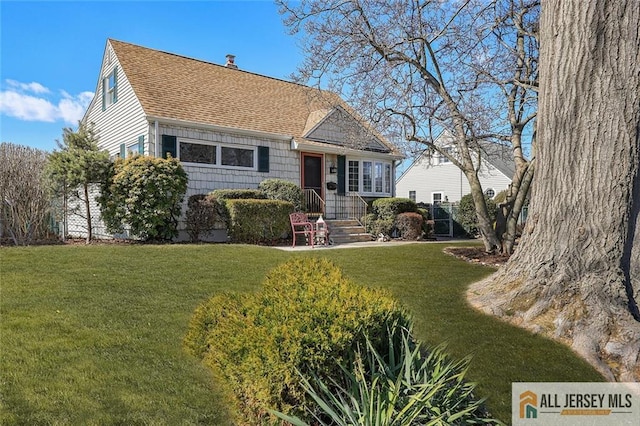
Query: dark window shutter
point(141, 144)
point(123, 151)
point(169, 146)
point(104, 94)
point(115, 85)
point(342, 162)
point(263, 159)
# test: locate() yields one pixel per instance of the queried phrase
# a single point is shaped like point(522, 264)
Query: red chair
point(300, 225)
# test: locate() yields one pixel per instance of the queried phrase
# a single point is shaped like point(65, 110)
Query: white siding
point(121, 122)
point(426, 176)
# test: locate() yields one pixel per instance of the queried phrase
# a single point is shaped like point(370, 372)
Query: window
point(442, 159)
point(366, 176)
point(436, 197)
point(489, 192)
point(110, 89)
point(237, 157)
point(201, 152)
point(387, 178)
point(412, 196)
point(379, 177)
point(133, 149)
point(373, 177)
point(354, 176)
point(197, 153)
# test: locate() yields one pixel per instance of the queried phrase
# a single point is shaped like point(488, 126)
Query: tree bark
point(576, 275)
point(87, 206)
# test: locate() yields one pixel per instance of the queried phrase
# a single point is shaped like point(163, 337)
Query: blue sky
point(50, 52)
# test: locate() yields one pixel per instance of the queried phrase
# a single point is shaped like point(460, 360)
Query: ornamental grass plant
point(405, 385)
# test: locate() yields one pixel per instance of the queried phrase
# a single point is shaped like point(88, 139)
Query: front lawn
point(93, 335)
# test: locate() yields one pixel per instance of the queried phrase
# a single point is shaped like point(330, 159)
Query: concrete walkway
point(363, 244)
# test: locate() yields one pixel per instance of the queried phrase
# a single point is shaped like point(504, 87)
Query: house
point(232, 129)
point(433, 178)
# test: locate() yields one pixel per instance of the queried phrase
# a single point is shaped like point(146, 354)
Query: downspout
point(157, 140)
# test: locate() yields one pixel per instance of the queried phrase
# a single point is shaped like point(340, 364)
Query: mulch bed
point(477, 255)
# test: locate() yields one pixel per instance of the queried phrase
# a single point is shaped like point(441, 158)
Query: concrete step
point(347, 231)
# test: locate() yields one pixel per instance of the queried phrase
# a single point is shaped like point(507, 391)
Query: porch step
point(347, 231)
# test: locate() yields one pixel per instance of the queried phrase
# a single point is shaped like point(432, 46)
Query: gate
point(442, 214)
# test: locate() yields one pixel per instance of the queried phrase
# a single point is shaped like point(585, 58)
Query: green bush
point(384, 212)
point(405, 385)
point(280, 189)
point(204, 214)
point(258, 221)
point(409, 225)
point(466, 213)
point(307, 318)
point(238, 194)
point(144, 195)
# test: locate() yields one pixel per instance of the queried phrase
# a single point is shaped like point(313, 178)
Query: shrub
point(25, 202)
point(144, 194)
point(427, 222)
point(258, 221)
point(405, 385)
point(280, 189)
point(204, 214)
point(384, 213)
point(391, 207)
point(307, 318)
point(409, 225)
point(238, 194)
point(466, 213)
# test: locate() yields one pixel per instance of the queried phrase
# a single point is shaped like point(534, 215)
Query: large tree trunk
point(576, 275)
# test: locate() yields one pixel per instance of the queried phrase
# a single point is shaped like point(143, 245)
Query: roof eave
point(302, 145)
point(218, 128)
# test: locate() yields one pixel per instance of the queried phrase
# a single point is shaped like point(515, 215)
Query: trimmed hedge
point(308, 319)
point(280, 189)
point(255, 221)
point(238, 194)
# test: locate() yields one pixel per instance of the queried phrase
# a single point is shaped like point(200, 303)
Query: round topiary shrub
point(307, 318)
point(409, 225)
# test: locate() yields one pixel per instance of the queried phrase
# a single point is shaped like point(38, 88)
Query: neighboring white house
point(432, 178)
point(232, 128)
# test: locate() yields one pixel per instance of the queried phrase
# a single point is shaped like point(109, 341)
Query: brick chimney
point(231, 62)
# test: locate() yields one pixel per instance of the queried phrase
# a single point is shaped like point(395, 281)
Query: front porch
point(335, 206)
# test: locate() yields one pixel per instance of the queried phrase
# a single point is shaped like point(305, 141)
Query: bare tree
point(576, 276)
point(420, 67)
point(24, 198)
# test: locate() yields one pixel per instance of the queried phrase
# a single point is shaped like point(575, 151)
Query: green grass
point(92, 335)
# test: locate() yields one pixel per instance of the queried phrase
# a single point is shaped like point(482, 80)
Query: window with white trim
point(412, 196)
point(437, 197)
point(369, 177)
point(490, 192)
point(110, 87)
point(211, 153)
point(442, 159)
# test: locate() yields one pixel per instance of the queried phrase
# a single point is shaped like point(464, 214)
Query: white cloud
point(28, 87)
point(14, 102)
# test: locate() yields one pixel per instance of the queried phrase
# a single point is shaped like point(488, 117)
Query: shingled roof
point(177, 87)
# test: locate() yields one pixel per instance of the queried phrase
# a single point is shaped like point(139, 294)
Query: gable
point(337, 127)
